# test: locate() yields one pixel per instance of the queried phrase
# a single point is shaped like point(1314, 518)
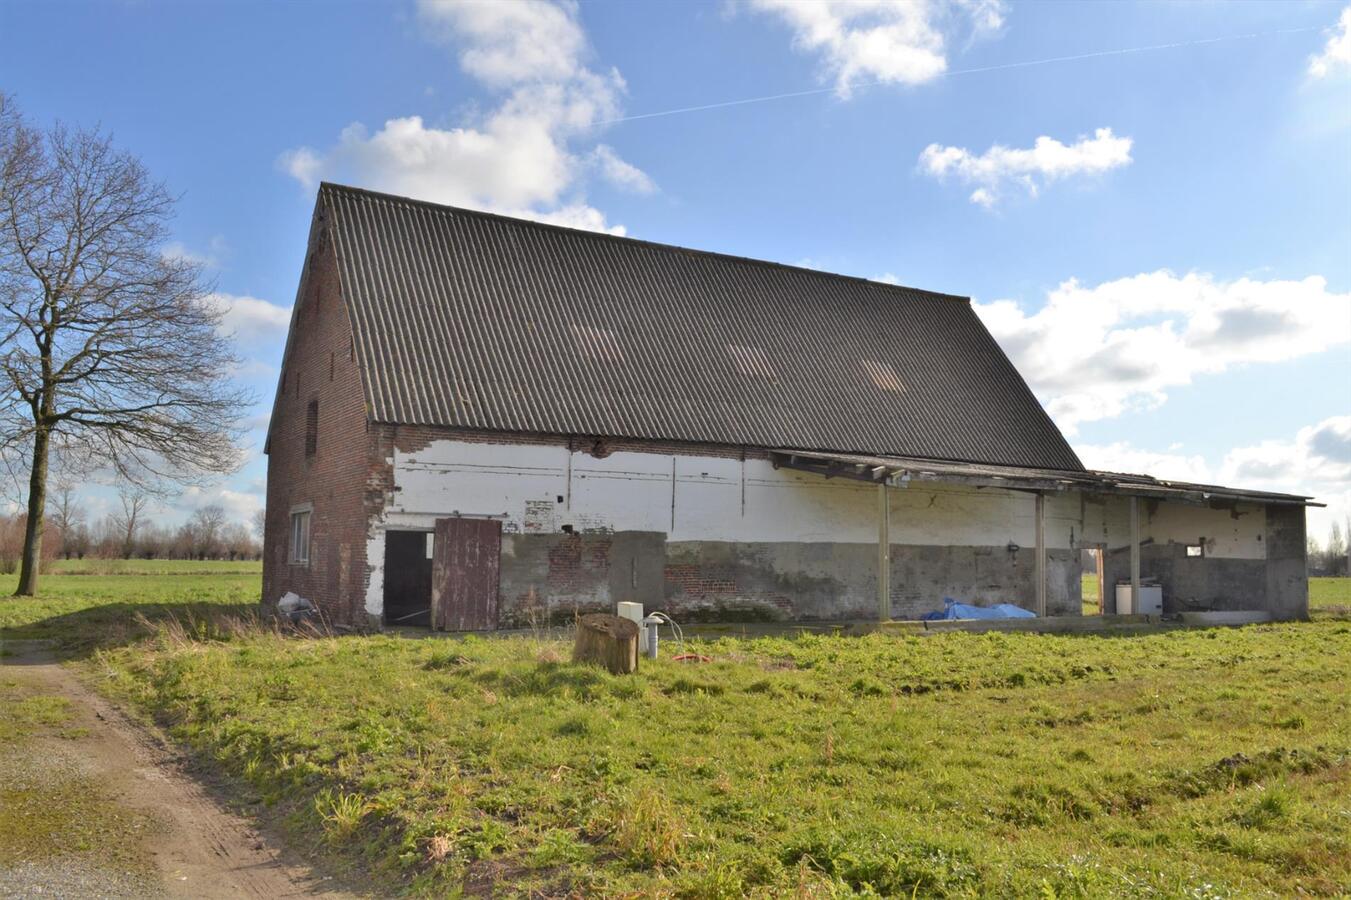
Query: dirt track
point(195, 847)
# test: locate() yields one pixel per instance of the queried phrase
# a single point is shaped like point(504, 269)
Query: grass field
point(1197, 763)
point(84, 602)
point(1089, 585)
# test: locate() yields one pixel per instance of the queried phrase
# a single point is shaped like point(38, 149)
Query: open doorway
point(1091, 578)
point(408, 578)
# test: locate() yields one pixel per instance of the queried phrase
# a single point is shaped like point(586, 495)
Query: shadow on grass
point(79, 633)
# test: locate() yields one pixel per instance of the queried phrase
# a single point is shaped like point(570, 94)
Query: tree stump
point(609, 641)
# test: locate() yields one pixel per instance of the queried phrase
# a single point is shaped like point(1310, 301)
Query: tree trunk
point(609, 641)
point(37, 503)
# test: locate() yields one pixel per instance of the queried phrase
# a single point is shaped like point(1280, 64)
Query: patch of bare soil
point(186, 843)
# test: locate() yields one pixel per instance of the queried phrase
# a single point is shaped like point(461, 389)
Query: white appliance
point(1151, 600)
point(634, 613)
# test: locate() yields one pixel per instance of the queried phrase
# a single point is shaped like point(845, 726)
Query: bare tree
point(238, 541)
point(78, 541)
point(67, 517)
point(1336, 550)
point(206, 525)
point(155, 541)
point(259, 523)
point(126, 523)
point(110, 351)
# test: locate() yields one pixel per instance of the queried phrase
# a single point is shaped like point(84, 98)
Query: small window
point(300, 537)
point(312, 428)
point(1195, 550)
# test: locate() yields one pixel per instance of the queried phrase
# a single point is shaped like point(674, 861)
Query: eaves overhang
point(900, 471)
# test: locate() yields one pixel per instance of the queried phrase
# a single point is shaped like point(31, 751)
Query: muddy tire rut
point(196, 846)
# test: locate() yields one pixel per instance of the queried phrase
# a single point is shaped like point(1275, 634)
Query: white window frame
point(300, 535)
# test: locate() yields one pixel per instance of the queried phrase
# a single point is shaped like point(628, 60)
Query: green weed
point(961, 765)
point(341, 813)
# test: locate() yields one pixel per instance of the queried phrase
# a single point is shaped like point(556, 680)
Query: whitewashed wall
point(703, 498)
point(1229, 535)
point(690, 498)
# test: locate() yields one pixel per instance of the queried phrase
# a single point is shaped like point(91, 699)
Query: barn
point(484, 422)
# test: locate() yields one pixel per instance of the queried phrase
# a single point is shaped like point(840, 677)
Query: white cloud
point(211, 258)
point(256, 369)
point(1124, 457)
point(239, 506)
point(519, 158)
point(1094, 353)
point(882, 41)
point(1046, 161)
point(1316, 462)
point(620, 173)
point(257, 422)
point(251, 319)
point(508, 43)
point(1336, 53)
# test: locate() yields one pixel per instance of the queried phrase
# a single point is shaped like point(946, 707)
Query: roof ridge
point(923, 293)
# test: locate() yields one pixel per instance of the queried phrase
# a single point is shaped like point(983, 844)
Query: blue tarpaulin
point(954, 610)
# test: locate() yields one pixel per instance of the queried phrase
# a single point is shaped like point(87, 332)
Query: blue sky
point(1161, 239)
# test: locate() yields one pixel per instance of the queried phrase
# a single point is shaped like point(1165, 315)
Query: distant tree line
point(1331, 558)
point(129, 533)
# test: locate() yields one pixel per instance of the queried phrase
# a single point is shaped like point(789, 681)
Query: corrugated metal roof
point(463, 318)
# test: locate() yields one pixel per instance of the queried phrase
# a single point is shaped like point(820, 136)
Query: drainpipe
point(883, 554)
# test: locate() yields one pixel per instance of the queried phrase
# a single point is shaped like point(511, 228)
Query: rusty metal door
point(466, 554)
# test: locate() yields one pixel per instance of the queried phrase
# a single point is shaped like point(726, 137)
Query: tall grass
point(1196, 763)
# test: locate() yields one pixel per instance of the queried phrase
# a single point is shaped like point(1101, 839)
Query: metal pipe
point(653, 625)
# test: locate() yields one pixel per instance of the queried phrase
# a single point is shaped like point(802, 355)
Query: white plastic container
point(1151, 600)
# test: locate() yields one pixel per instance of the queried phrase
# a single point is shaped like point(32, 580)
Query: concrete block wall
point(1287, 563)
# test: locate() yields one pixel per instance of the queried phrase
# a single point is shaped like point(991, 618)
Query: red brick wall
point(319, 366)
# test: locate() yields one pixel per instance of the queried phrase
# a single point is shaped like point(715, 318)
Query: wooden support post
point(883, 554)
point(1135, 554)
point(1041, 554)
